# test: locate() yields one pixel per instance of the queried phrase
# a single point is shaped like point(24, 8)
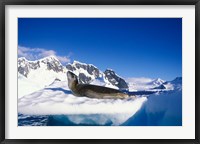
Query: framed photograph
point(100, 71)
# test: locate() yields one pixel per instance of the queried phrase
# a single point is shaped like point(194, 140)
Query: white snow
point(102, 81)
point(77, 62)
point(99, 81)
point(41, 77)
point(37, 79)
point(58, 100)
point(160, 109)
point(138, 84)
point(81, 70)
point(169, 86)
point(26, 86)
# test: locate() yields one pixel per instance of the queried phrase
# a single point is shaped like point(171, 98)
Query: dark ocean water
point(55, 120)
point(27, 120)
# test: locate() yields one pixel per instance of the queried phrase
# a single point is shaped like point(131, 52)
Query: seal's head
point(72, 80)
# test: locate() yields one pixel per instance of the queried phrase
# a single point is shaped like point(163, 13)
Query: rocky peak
point(171, 85)
point(50, 62)
point(23, 66)
point(85, 72)
point(115, 80)
point(158, 81)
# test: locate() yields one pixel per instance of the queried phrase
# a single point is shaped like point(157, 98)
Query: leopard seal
point(92, 91)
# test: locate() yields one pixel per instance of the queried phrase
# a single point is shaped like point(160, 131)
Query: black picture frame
point(3, 4)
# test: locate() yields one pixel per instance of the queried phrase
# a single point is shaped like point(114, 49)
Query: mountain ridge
point(41, 73)
point(87, 73)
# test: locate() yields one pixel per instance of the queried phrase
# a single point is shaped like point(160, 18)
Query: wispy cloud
point(37, 53)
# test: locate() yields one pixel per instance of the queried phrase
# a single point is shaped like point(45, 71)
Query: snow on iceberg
point(58, 101)
point(163, 109)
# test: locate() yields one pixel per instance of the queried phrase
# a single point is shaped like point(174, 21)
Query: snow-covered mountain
point(175, 84)
point(85, 72)
point(147, 84)
point(138, 84)
point(35, 75)
point(157, 81)
point(88, 73)
point(115, 80)
point(49, 63)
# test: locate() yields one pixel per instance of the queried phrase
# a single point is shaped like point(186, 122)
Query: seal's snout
point(72, 81)
point(71, 76)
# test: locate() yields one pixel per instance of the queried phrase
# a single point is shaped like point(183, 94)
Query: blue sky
point(133, 47)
